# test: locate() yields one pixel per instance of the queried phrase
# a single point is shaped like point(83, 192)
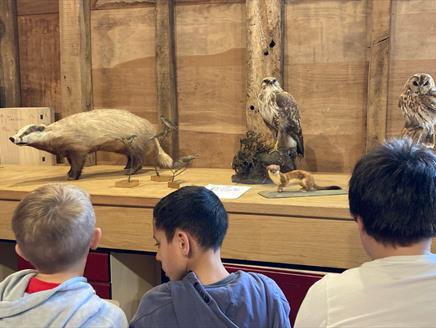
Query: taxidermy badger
point(112, 130)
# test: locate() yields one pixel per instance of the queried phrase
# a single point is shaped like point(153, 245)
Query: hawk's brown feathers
point(280, 113)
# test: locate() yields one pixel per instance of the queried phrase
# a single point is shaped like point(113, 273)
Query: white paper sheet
point(227, 191)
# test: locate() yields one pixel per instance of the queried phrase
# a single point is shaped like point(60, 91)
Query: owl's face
point(270, 82)
point(420, 83)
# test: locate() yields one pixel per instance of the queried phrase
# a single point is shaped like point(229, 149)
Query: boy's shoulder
point(14, 285)
point(82, 297)
point(260, 280)
point(109, 315)
point(155, 308)
point(75, 294)
point(156, 298)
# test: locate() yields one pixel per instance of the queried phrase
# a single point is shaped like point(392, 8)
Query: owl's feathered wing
point(287, 120)
point(429, 102)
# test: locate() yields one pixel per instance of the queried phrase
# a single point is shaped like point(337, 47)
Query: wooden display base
point(161, 178)
point(127, 183)
point(177, 184)
point(299, 193)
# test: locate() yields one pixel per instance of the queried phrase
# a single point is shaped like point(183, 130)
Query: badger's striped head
point(28, 134)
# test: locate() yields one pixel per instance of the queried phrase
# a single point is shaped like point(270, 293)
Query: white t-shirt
point(397, 291)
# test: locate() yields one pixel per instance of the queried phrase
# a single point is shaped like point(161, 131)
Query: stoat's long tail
point(327, 187)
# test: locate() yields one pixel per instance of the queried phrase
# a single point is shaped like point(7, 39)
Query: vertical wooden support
point(378, 74)
point(10, 95)
point(166, 71)
point(264, 53)
point(75, 44)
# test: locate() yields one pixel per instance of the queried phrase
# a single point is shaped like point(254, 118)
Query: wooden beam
point(166, 70)
point(264, 53)
point(75, 44)
point(378, 74)
point(9, 63)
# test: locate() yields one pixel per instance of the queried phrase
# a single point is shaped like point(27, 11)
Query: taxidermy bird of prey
point(280, 113)
point(418, 104)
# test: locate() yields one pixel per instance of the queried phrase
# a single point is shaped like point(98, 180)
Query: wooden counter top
point(99, 181)
point(314, 231)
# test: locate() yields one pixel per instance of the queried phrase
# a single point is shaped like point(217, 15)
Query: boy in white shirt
point(392, 196)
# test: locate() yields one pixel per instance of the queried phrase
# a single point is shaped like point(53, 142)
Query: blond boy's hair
point(53, 226)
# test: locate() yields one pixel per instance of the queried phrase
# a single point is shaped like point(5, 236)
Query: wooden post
point(264, 53)
point(378, 74)
point(75, 44)
point(10, 95)
point(166, 71)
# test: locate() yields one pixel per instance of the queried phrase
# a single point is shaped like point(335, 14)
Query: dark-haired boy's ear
point(19, 252)
point(95, 239)
point(183, 242)
point(359, 222)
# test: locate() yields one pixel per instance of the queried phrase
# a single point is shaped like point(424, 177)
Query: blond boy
point(55, 227)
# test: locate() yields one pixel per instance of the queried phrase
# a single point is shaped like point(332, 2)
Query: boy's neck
point(380, 251)
point(208, 267)
point(76, 270)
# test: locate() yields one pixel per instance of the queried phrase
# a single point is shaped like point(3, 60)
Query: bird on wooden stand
point(281, 115)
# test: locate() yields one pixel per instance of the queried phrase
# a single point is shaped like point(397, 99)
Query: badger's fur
point(102, 129)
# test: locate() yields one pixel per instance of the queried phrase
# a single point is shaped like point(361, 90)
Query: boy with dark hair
point(54, 226)
point(392, 196)
point(189, 228)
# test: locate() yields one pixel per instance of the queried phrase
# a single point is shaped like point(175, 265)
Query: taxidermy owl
point(280, 113)
point(418, 105)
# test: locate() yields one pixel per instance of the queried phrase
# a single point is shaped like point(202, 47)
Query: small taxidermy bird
point(168, 127)
point(280, 113)
point(167, 123)
point(418, 105)
point(183, 162)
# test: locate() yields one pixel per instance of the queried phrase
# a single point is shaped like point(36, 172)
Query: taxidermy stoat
point(303, 178)
point(102, 129)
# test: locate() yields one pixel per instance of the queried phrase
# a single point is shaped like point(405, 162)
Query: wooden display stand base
point(177, 184)
point(161, 178)
point(127, 183)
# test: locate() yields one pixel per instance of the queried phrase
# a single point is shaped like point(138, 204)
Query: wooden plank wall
point(326, 68)
point(123, 63)
point(11, 120)
point(413, 50)
point(326, 72)
point(210, 48)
